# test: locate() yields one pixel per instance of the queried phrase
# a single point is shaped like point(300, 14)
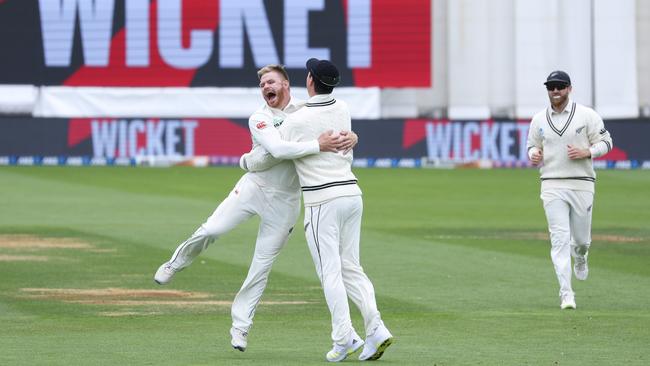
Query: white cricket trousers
point(333, 230)
point(278, 211)
point(568, 213)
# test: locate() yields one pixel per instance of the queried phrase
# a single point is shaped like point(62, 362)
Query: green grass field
point(459, 259)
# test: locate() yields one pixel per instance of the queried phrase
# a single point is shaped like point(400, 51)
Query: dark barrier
point(212, 42)
point(223, 140)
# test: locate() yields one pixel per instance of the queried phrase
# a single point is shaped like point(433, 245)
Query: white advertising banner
point(17, 99)
point(70, 102)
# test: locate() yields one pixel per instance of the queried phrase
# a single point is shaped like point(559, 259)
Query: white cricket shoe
point(567, 302)
point(239, 339)
point(341, 352)
point(164, 274)
point(580, 267)
point(376, 344)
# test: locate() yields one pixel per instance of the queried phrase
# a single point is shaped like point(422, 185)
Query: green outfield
point(459, 259)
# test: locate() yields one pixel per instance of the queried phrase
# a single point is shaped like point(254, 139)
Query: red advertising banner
point(212, 42)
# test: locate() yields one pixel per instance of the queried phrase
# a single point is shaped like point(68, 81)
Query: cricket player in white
point(565, 137)
point(273, 194)
point(333, 210)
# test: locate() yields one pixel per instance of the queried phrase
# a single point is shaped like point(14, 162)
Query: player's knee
point(560, 238)
point(351, 266)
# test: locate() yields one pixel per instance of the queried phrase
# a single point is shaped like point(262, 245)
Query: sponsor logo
point(137, 137)
point(471, 141)
point(260, 125)
point(183, 45)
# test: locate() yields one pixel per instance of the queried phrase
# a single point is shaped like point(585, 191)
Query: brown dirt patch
point(73, 294)
point(135, 297)
point(543, 236)
point(618, 238)
point(32, 242)
point(177, 303)
point(127, 313)
point(23, 258)
point(594, 238)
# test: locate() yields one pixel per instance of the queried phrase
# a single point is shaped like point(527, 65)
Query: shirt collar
point(294, 104)
point(320, 98)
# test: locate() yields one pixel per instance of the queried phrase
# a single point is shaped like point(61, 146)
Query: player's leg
point(557, 215)
point(276, 223)
point(581, 212)
point(322, 234)
point(231, 212)
point(358, 285)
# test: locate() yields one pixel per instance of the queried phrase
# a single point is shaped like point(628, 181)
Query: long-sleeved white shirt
point(326, 175)
point(551, 132)
point(264, 124)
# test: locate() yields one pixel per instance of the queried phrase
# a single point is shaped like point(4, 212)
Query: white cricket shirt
point(551, 132)
point(263, 125)
point(326, 175)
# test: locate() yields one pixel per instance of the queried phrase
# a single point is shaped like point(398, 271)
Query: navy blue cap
point(558, 76)
point(324, 71)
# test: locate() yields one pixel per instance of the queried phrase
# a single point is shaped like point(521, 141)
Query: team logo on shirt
point(579, 129)
point(277, 121)
point(260, 125)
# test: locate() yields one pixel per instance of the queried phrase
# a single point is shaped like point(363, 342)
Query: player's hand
point(328, 142)
point(349, 140)
point(536, 157)
point(577, 153)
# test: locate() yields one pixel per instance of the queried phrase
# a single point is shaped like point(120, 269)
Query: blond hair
point(273, 67)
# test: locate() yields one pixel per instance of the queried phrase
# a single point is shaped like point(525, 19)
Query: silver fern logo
point(579, 129)
point(277, 121)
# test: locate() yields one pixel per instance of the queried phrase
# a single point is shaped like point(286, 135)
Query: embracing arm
point(258, 159)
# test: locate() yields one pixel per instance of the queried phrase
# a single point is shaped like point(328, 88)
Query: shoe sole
point(380, 350)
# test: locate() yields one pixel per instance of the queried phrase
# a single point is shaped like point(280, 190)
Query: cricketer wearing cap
point(566, 137)
point(333, 210)
point(273, 195)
